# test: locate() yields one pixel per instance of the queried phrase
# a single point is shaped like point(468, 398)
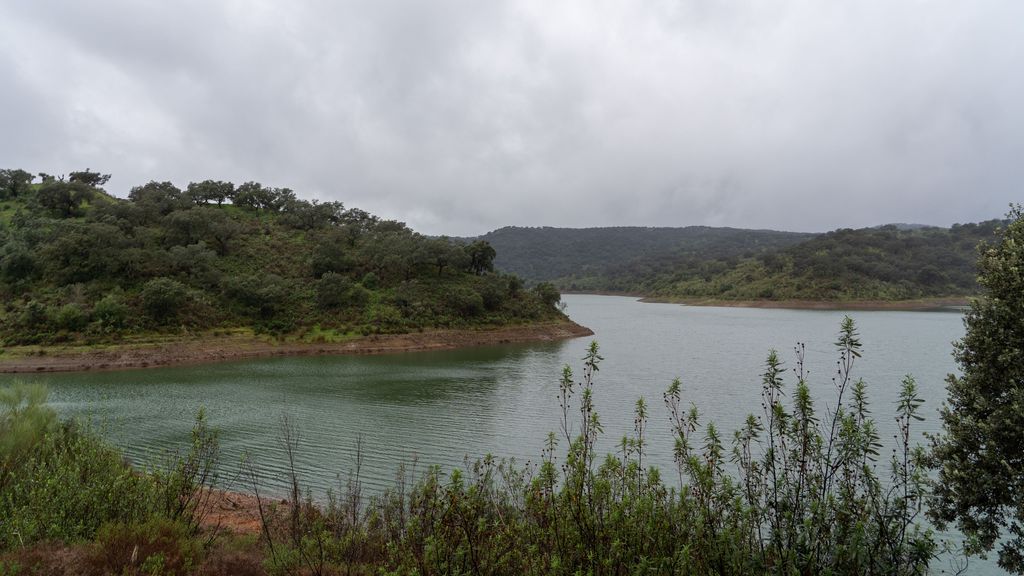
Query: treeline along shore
point(219, 271)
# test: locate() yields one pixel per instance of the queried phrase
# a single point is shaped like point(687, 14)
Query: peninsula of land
point(206, 349)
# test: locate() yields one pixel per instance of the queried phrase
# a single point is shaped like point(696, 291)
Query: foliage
point(162, 298)
point(616, 258)
point(64, 199)
point(157, 546)
point(111, 313)
point(86, 267)
point(59, 481)
point(24, 421)
point(548, 294)
point(980, 483)
point(796, 492)
point(882, 263)
point(182, 483)
point(210, 191)
point(481, 256)
point(14, 183)
point(803, 497)
point(89, 178)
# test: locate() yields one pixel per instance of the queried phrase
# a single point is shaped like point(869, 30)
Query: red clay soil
point(219, 349)
point(238, 513)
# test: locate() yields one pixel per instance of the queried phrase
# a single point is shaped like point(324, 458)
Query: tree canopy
point(78, 264)
point(892, 262)
point(979, 453)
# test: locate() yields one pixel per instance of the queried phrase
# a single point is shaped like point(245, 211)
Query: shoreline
point(917, 304)
point(921, 304)
point(208, 350)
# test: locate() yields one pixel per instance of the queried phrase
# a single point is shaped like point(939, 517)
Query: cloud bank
point(460, 116)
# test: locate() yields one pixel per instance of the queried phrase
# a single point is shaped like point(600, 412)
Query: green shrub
point(370, 281)
point(71, 317)
point(156, 547)
point(25, 420)
point(162, 299)
point(548, 294)
point(182, 483)
point(464, 301)
point(333, 291)
point(262, 296)
point(68, 486)
point(61, 482)
point(111, 313)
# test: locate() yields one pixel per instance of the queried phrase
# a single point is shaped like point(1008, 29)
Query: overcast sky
point(461, 116)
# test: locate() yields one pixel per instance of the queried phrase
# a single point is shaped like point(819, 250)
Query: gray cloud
point(459, 116)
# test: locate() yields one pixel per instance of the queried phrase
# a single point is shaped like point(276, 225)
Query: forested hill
point(597, 254)
point(892, 262)
point(881, 263)
point(79, 265)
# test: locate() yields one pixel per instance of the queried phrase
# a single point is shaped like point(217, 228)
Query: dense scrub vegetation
point(882, 263)
point(980, 484)
point(60, 484)
point(615, 258)
point(77, 264)
point(796, 491)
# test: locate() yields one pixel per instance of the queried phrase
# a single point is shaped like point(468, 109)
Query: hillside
point(601, 258)
point(882, 263)
point(80, 266)
point(891, 262)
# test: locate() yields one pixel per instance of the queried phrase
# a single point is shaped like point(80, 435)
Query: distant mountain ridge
point(886, 262)
point(549, 254)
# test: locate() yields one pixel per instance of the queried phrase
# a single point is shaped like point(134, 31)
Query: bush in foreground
point(795, 492)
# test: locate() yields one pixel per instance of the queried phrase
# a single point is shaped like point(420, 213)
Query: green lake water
point(443, 407)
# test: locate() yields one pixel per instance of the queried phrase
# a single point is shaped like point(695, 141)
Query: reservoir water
point(443, 407)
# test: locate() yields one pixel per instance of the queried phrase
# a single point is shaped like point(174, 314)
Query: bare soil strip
point(208, 349)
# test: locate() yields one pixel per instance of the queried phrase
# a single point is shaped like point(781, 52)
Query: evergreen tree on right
point(980, 452)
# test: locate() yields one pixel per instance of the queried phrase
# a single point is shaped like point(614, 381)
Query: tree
point(481, 257)
point(258, 197)
point(159, 197)
point(14, 183)
point(210, 191)
point(548, 294)
point(251, 195)
point(89, 178)
point(333, 291)
point(64, 198)
point(443, 253)
point(303, 215)
point(81, 251)
point(331, 253)
point(162, 298)
point(16, 262)
point(979, 458)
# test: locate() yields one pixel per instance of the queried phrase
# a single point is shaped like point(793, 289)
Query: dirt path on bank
point(204, 350)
